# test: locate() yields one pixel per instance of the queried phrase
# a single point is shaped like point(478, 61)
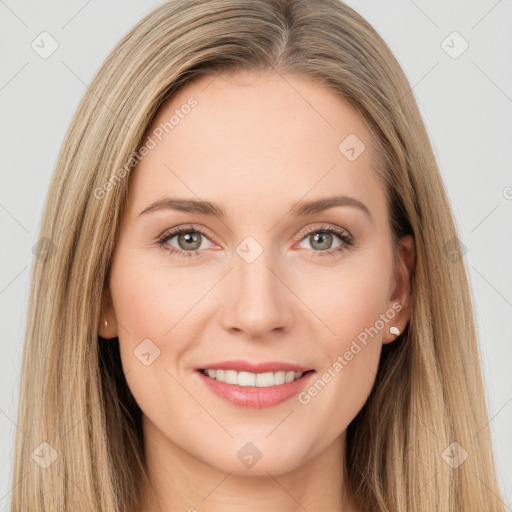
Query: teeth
point(230, 377)
point(211, 373)
point(260, 380)
point(246, 379)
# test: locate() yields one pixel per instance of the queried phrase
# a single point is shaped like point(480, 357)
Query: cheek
point(146, 308)
point(349, 299)
point(150, 297)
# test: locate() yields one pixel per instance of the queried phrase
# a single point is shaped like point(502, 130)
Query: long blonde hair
point(428, 391)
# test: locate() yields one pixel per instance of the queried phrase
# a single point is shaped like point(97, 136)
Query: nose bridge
point(258, 300)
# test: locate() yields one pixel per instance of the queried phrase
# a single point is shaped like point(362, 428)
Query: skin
point(255, 144)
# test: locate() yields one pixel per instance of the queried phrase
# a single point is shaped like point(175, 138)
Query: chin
point(258, 458)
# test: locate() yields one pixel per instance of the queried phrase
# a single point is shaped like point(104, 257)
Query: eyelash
point(341, 233)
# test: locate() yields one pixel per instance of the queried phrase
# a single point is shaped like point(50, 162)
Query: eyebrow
point(299, 209)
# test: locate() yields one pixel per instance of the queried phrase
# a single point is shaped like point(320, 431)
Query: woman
point(245, 299)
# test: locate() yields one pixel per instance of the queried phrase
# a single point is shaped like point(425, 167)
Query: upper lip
point(268, 366)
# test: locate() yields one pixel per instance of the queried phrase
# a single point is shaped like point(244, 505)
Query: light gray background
point(466, 103)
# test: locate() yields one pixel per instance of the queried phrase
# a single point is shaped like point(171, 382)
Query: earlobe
point(107, 325)
point(104, 327)
point(391, 333)
point(394, 330)
point(102, 331)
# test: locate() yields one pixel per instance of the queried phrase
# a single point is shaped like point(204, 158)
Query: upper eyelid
point(325, 227)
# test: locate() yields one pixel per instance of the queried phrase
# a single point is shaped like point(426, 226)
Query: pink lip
point(244, 366)
point(252, 396)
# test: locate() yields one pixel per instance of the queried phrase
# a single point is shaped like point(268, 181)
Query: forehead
point(249, 140)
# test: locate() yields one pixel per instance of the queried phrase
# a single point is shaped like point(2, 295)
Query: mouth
point(254, 390)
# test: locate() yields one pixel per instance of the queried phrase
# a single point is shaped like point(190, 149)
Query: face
point(269, 281)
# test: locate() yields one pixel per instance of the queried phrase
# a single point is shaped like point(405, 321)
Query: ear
point(108, 314)
point(400, 300)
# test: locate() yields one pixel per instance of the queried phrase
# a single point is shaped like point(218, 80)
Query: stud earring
point(394, 330)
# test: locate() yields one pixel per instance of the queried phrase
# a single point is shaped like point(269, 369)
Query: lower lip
point(254, 397)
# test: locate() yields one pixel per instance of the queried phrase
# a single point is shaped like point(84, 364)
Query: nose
point(257, 300)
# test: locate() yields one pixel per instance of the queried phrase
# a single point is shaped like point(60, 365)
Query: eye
point(321, 240)
point(189, 240)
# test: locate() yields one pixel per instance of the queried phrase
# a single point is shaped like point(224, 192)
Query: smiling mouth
point(259, 380)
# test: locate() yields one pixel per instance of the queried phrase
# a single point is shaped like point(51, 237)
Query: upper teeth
point(260, 380)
